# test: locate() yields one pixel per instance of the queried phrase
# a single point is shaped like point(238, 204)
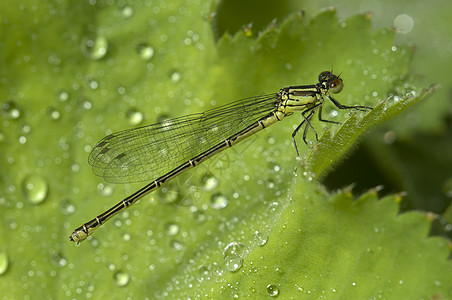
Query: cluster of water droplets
point(35, 187)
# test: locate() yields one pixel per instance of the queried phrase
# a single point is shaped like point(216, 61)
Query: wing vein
point(148, 152)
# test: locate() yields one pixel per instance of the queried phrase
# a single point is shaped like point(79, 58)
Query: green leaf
point(330, 148)
point(73, 72)
point(339, 248)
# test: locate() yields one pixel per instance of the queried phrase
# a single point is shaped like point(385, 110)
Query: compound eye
point(336, 85)
point(324, 76)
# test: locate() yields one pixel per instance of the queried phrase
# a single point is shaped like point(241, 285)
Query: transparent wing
point(148, 152)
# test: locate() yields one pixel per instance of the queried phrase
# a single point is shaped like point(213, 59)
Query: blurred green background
point(72, 72)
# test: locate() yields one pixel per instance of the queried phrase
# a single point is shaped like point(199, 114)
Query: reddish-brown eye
point(336, 85)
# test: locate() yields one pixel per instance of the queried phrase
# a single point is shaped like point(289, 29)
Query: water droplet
point(203, 270)
point(233, 263)
point(75, 168)
point(176, 245)
point(403, 23)
point(4, 263)
point(59, 260)
point(67, 207)
point(93, 84)
point(34, 188)
point(169, 193)
point(54, 60)
point(26, 129)
point(274, 167)
point(235, 248)
point(22, 140)
point(126, 237)
point(87, 105)
point(175, 76)
point(94, 242)
point(188, 41)
point(126, 12)
point(195, 193)
point(273, 207)
point(105, 190)
point(248, 30)
point(134, 117)
point(309, 175)
point(209, 181)
point(270, 183)
point(121, 278)
point(199, 216)
point(261, 239)
point(121, 90)
point(54, 114)
point(111, 267)
point(214, 268)
point(219, 201)
point(63, 96)
point(272, 290)
point(12, 224)
point(11, 110)
point(94, 48)
point(63, 144)
point(172, 229)
point(145, 51)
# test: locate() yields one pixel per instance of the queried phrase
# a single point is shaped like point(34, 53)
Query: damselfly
point(162, 151)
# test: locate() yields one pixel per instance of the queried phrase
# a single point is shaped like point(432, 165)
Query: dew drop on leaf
point(170, 193)
point(261, 239)
point(134, 117)
point(63, 96)
point(93, 84)
point(273, 207)
point(209, 181)
point(121, 278)
point(199, 216)
point(145, 51)
point(219, 201)
point(4, 262)
point(54, 114)
point(126, 237)
point(172, 229)
point(67, 207)
point(233, 248)
point(403, 23)
point(94, 48)
point(203, 270)
point(11, 110)
point(126, 12)
point(176, 245)
point(35, 189)
point(233, 263)
point(104, 189)
point(59, 260)
point(272, 290)
point(87, 105)
point(175, 76)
